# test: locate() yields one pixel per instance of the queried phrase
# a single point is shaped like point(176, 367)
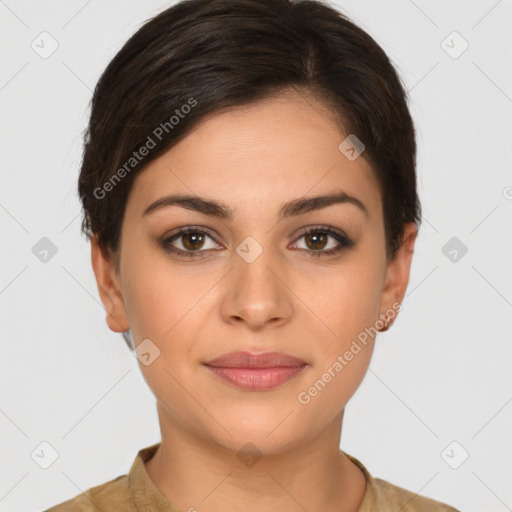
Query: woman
point(249, 190)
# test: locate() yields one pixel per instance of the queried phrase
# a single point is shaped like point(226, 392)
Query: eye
point(320, 241)
point(189, 242)
point(192, 242)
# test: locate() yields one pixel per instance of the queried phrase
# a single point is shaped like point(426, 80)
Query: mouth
point(256, 372)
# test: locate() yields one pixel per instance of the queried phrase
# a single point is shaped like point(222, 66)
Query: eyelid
point(175, 234)
point(321, 227)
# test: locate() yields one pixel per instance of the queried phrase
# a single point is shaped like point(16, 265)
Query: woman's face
point(252, 280)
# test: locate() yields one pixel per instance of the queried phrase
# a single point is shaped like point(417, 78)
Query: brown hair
point(201, 56)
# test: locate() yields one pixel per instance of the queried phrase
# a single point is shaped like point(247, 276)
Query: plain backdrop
point(439, 387)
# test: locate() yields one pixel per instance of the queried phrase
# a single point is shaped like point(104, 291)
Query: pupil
point(317, 239)
point(194, 238)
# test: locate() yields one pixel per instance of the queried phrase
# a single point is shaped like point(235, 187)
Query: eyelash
point(342, 239)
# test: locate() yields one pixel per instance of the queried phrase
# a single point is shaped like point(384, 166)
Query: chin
point(264, 434)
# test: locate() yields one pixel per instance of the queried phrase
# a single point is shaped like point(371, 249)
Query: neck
point(191, 471)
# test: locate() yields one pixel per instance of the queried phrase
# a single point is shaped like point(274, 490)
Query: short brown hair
point(200, 56)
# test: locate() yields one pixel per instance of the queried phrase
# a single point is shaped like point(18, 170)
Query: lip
point(252, 360)
point(256, 372)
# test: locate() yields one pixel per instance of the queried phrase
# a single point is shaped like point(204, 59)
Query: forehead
point(265, 153)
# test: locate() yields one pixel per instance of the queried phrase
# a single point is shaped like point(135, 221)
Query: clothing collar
point(148, 498)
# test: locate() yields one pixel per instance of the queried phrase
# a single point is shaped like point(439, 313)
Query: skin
point(254, 159)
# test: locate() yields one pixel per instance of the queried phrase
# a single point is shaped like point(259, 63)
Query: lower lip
point(256, 379)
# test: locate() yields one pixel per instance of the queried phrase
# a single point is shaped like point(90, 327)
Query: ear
point(398, 271)
point(109, 288)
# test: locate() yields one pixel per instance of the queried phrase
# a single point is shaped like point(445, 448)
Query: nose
point(256, 292)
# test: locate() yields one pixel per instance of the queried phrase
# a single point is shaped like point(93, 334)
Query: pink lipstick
point(256, 372)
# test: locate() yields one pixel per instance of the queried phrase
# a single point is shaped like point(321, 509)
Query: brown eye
point(189, 242)
point(320, 241)
point(192, 240)
point(316, 240)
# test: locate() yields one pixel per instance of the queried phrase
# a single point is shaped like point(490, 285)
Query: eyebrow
point(217, 209)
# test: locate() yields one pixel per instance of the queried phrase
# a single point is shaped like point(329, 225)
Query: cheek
point(170, 305)
point(334, 380)
point(348, 310)
point(166, 308)
point(161, 295)
point(349, 301)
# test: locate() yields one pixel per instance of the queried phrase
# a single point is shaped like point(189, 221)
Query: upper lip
point(252, 360)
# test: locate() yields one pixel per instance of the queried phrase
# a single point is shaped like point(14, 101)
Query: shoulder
point(111, 495)
point(384, 496)
point(394, 496)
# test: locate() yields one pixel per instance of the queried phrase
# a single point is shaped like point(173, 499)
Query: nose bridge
point(256, 293)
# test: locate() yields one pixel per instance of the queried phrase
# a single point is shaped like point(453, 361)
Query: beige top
point(136, 492)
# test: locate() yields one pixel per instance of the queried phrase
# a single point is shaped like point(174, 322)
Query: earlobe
point(397, 275)
point(108, 288)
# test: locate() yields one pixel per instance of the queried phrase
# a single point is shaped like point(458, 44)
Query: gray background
point(441, 374)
